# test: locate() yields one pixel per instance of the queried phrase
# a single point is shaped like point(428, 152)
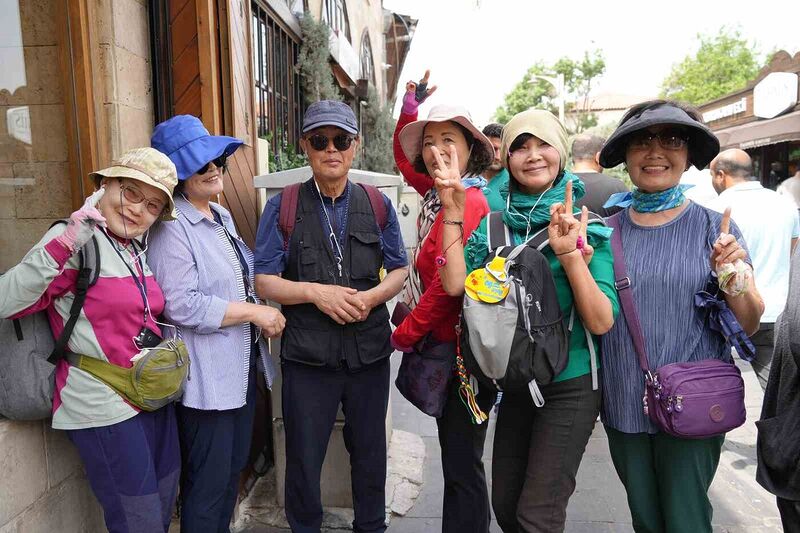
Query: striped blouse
point(667, 265)
point(200, 273)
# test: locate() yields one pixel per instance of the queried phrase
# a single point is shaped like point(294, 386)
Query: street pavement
point(599, 503)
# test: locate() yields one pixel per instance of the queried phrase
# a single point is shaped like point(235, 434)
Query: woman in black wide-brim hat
point(670, 246)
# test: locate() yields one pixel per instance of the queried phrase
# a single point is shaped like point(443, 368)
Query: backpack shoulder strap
point(378, 206)
point(496, 231)
point(287, 216)
point(88, 273)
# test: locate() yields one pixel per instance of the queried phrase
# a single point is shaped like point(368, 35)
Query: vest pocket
point(310, 347)
point(372, 337)
point(309, 264)
point(366, 257)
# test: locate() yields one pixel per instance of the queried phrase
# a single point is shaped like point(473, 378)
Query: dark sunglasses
point(667, 139)
point(341, 142)
point(220, 162)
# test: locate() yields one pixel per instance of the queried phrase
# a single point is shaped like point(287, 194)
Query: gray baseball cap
point(330, 113)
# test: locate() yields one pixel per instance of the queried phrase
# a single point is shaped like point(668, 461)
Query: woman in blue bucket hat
point(206, 273)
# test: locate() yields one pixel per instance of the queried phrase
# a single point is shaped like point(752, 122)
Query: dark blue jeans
point(215, 446)
point(311, 398)
point(133, 468)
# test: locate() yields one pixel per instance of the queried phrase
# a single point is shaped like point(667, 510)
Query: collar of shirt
point(742, 187)
point(194, 216)
point(336, 209)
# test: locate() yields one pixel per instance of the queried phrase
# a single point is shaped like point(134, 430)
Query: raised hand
point(82, 222)
point(564, 228)
point(726, 249)
point(582, 243)
point(416, 93)
point(447, 180)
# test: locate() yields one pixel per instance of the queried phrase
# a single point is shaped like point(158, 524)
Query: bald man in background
point(599, 186)
point(770, 226)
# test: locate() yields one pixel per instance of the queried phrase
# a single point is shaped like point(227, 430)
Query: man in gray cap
point(319, 252)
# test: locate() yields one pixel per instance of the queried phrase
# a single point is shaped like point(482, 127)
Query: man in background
point(770, 226)
point(599, 186)
point(497, 188)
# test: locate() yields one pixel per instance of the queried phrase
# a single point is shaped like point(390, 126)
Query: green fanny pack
point(157, 377)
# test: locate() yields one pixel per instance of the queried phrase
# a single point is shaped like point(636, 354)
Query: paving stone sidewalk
point(599, 504)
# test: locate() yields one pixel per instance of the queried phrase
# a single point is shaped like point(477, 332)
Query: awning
point(761, 132)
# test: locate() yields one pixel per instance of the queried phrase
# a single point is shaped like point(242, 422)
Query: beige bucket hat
point(149, 166)
point(543, 124)
point(411, 134)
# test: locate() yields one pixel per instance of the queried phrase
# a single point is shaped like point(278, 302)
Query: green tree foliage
point(315, 72)
point(286, 156)
point(377, 126)
point(579, 75)
point(724, 63)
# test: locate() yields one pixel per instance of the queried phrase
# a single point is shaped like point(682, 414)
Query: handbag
point(692, 400)
point(424, 375)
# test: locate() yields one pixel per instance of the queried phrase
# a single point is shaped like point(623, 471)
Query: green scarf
point(518, 214)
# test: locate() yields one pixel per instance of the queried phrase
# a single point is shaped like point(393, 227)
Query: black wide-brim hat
point(703, 144)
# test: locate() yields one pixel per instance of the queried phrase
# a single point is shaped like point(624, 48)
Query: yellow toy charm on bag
point(488, 284)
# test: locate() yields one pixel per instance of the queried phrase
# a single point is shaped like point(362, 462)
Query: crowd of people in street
point(654, 295)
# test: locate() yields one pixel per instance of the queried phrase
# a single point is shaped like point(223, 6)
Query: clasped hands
point(343, 304)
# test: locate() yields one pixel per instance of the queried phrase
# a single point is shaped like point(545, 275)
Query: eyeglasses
point(135, 196)
point(220, 162)
point(667, 139)
point(341, 142)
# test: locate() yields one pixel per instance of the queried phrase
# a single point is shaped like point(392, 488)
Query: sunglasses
point(341, 142)
point(667, 139)
point(220, 162)
point(135, 196)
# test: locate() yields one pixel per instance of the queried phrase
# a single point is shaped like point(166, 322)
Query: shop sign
point(775, 94)
point(740, 106)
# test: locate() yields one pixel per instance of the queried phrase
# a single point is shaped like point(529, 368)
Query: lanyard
point(140, 284)
point(243, 263)
point(335, 246)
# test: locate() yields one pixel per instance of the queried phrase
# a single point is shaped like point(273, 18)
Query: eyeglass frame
point(124, 188)
point(648, 136)
point(339, 146)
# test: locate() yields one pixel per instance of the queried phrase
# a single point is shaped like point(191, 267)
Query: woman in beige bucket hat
point(131, 457)
point(430, 326)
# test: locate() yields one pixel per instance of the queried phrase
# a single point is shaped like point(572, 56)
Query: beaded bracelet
point(453, 222)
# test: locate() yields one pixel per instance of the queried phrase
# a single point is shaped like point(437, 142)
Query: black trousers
point(790, 515)
point(466, 497)
point(215, 447)
point(765, 343)
point(311, 397)
point(537, 452)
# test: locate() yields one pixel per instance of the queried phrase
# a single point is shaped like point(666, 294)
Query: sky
point(477, 50)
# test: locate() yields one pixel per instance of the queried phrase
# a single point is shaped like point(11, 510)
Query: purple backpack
point(689, 400)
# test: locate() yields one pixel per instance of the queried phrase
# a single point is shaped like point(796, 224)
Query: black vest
point(311, 337)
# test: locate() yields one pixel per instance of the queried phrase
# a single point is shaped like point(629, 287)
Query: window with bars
point(334, 14)
point(277, 82)
point(367, 65)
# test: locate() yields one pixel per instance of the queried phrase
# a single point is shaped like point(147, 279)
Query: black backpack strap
point(496, 234)
point(88, 272)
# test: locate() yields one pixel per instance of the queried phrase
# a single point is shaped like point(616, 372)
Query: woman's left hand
point(726, 248)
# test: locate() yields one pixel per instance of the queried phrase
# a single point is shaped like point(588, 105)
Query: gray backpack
point(28, 353)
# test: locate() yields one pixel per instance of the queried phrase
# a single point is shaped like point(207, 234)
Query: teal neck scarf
point(650, 202)
point(527, 213)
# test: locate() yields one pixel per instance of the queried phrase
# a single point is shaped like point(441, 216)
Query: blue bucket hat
point(330, 113)
point(185, 140)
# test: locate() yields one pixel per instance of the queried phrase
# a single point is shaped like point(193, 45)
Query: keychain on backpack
point(488, 284)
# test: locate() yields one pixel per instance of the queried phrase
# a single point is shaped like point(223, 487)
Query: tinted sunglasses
point(320, 142)
point(667, 139)
point(220, 162)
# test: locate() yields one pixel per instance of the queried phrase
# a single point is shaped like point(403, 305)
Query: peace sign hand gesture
point(416, 93)
point(566, 233)
point(447, 181)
